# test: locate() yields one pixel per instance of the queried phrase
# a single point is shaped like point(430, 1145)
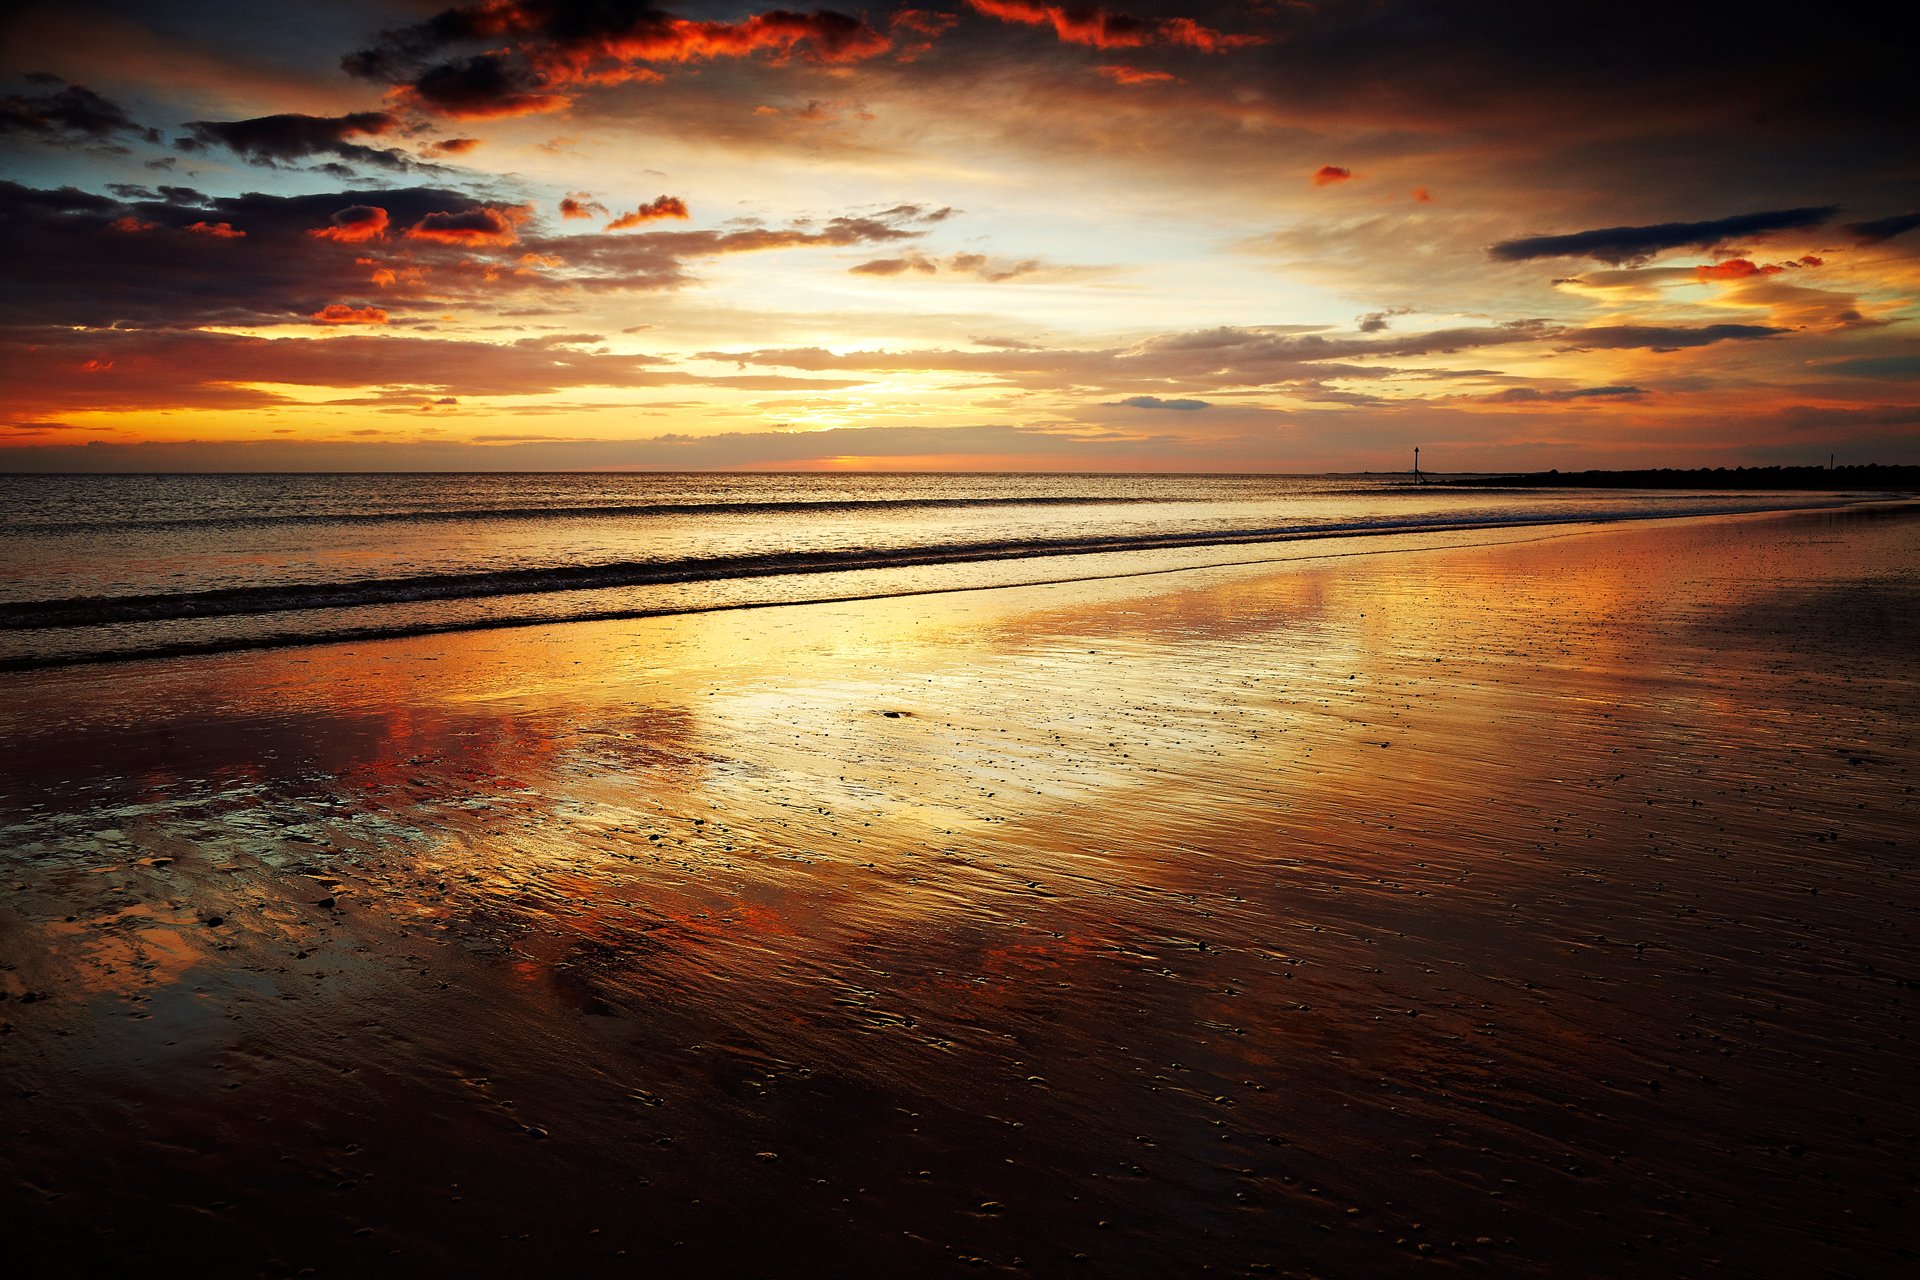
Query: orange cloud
point(453, 146)
point(219, 230)
point(536, 51)
point(1421, 195)
point(1330, 173)
point(356, 224)
point(131, 225)
point(1741, 268)
point(575, 204)
point(480, 225)
point(1136, 75)
point(916, 30)
point(341, 313)
point(653, 210)
point(1103, 29)
point(830, 37)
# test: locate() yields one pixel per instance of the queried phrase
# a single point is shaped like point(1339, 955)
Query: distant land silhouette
point(1867, 476)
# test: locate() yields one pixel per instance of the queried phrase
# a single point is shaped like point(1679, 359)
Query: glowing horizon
point(548, 234)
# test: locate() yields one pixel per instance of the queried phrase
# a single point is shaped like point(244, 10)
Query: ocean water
point(96, 568)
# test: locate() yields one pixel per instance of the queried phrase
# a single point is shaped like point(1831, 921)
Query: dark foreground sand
point(1538, 909)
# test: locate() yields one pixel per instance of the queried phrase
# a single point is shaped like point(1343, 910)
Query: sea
point(114, 567)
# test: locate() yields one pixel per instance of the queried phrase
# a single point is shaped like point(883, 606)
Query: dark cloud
point(1155, 402)
point(482, 87)
point(126, 369)
point(77, 258)
point(276, 140)
point(71, 113)
point(1879, 229)
point(519, 57)
point(1527, 395)
point(1661, 337)
point(1621, 246)
point(1376, 321)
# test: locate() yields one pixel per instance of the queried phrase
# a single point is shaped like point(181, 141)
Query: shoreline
point(1422, 538)
point(1542, 906)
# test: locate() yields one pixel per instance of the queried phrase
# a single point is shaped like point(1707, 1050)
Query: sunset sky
point(982, 234)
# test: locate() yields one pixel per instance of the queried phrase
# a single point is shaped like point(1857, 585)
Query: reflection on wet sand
point(1535, 907)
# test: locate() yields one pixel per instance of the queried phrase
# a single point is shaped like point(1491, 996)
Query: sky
point(1297, 236)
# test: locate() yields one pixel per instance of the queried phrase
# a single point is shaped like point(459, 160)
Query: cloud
point(1741, 268)
point(652, 211)
point(218, 230)
point(1528, 395)
point(1137, 75)
point(477, 227)
point(76, 258)
point(978, 265)
point(281, 139)
point(71, 113)
point(355, 224)
point(1661, 337)
point(1155, 402)
point(521, 57)
point(1376, 321)
point(1879, 229)
point(1622, 246)
point(1105, 29)
point(896, 266)
point(342, 313)
point(577, 204)
point(175, 369)
point(1327, 174)
point(452, 146)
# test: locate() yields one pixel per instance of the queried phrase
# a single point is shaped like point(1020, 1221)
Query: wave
point(229, 602)
point(799, 507)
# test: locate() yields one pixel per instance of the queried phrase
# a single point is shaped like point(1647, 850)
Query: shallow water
point(1540, 909)
point(102, 566)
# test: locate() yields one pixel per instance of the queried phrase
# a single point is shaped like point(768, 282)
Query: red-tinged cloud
point(1137, 75)
point(1104, 29)
point(828, 37)
point(527, 56)
point(576, 204)
point(341, 313)
point(1741, 268)
point(1327, 174)
point(1421, 195)
point(915, 31)
point(477, 227)
point(452, 146)
point(356, 224)
point(1734, 269)
point(219, 230)
point(131, 225)
point(652, 211)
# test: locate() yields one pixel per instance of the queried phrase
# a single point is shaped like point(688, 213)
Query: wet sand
point(1545, 907)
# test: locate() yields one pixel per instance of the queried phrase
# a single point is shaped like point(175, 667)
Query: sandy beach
point(1527, 902)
